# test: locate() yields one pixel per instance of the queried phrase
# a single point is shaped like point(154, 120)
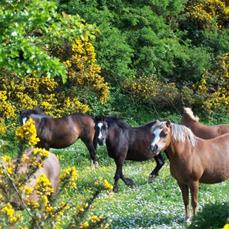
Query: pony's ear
point(168, 123)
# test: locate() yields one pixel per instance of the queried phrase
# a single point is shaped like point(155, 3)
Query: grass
point(156, 205)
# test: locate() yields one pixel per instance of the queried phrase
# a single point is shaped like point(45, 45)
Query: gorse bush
point(210, 14)
point(152, 91)
point(177, 41)
point(213, 88)
point(43, 209)
point(54, 97)
point(47, 60)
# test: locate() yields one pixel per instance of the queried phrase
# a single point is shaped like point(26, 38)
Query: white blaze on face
point(156, 139)
point(100, 124)
point(24, 120)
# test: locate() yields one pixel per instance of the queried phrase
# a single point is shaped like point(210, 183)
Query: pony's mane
point(189, 112)
point(113, 120)
point(180, 133)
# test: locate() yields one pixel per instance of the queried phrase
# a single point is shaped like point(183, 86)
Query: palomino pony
point(126, 143)
point(201, 130)
point(63, 132)
point(50, 168)
point(192, 160)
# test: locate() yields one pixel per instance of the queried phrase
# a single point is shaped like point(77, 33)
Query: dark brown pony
point(126, 143)
point(192, 160)
point(63, 132)
point(201, 130)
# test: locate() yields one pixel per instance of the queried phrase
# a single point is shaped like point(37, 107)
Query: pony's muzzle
point(101, 141)
point(154, 149)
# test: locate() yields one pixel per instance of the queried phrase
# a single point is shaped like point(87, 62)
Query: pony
point(199, 129)
point(192, 160)
point(63, 132)
point(50, 167)
point(124, 142)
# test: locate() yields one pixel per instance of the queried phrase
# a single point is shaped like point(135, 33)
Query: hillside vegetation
point(139, 60)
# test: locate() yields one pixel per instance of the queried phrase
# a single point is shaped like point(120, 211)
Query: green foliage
point(162, 38)
point(28, 30)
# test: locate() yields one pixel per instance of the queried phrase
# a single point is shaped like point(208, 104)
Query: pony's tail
point(188, 111)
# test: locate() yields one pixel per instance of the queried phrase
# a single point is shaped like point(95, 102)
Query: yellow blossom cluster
point(151, 90)
point(209, 13)
point(103, 184)
point(43, 186)
point(28, 133)
point(75, 104)
point(8, 164)
point(26, 101)
point(38, 156)
point(2, 126)
point(218, 82)
point(83, 70)
point(69, 175)
point(8, 210)
point(7, 110)
point(50, 94)
point(94, 221)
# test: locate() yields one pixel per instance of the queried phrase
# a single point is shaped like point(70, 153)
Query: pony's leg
point(194, 186)
point(117, 174)
point(185, 195)
point(160, 162)
point(91, 149)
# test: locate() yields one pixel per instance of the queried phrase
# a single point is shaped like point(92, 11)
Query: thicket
point(47, 59)
point(148, 47)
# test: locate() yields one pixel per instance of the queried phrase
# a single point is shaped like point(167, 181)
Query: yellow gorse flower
point(2, 126)
point(103, 183)
point(9, 212)
point(107, 185)
point(94, 219)
point(69, 174)
point(28, 133)
point(43, 186)
point(84, 225)
point(8, 164)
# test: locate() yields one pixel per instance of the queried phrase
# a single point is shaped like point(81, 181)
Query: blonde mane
point(189, 112)
point(180, 133)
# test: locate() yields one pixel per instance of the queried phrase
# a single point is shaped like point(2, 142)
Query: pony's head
point(166, 132)
point(161, 136)
point(101, 130)
point(26, 114)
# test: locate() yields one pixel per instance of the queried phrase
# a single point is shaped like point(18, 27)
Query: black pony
point(126, 143)
point(62, 132)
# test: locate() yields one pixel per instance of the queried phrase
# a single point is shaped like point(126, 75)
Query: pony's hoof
point(94, 165)
point(129, 182)
point(115, 189)
point(188, 220)
point(151, 178)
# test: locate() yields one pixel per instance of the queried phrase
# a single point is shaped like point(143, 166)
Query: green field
point(156, 205)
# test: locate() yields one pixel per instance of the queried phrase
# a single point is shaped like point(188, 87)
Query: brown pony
point(192, 160)
point(201, 130)
point(50, 167)
point(63, 132)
